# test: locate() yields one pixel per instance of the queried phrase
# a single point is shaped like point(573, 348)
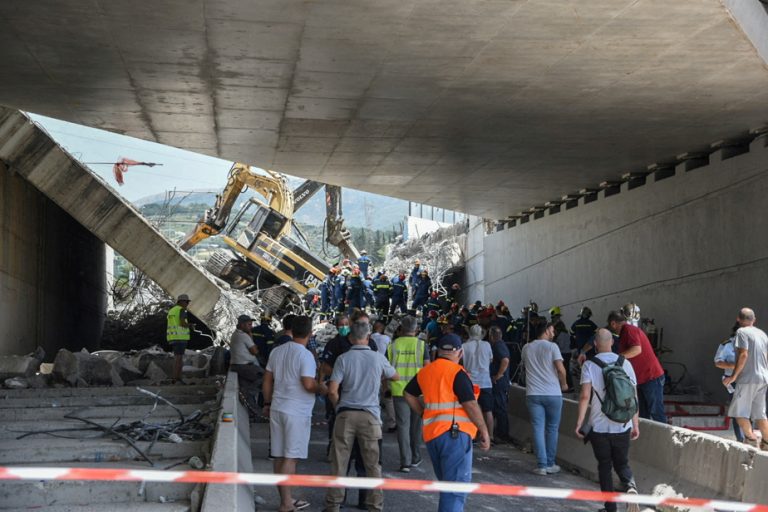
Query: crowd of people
point(437, 373)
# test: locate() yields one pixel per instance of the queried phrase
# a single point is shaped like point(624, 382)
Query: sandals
point(297, 505)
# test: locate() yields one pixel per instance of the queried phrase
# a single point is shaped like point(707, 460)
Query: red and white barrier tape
point(386, 484)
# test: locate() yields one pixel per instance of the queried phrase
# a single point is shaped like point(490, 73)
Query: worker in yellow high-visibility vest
point(408, 355)
point(178, 333)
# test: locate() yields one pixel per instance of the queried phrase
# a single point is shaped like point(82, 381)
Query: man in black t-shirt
point(500, 378)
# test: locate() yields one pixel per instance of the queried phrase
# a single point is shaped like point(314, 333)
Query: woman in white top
point(478, 355)
point(545, 383)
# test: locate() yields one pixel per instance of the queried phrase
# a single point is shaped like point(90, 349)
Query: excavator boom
point(273, 187)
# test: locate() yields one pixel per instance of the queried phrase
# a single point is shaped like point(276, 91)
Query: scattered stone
point(218, 364)
point(193, 372)
point(126, 369)
point(155, 374)
point(39, 380)
point(21, 366)
point(161, 359)
point(81, 383)
point(16, 383)
point(94, 370)
point(46, 368)
point(115, 376)
point(196, 359)
point(66, 367)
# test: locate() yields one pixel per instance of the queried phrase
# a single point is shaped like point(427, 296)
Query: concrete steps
point(46, 450)
point(40, 410)
point(163, 412)
point(28, 495)
point(165, 391)
point(177, 506)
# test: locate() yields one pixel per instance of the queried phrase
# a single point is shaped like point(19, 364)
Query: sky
point(182, 170)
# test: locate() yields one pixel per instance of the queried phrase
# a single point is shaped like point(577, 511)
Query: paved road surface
point(502, 464)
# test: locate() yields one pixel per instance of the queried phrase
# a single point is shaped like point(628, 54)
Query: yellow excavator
point(264, 257)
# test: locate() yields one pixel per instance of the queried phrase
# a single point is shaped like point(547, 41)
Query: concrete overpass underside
point(483, 106)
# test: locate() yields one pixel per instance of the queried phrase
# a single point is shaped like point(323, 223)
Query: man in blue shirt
point(363, 262)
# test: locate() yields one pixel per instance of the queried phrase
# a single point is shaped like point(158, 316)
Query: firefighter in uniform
point(451, 418)
point(382, 291)
point(399, 294)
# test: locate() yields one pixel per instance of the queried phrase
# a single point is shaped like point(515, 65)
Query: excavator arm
point(273, 187)
point(336, 233)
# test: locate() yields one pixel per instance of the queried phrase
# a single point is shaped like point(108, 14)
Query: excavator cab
point(262, 219)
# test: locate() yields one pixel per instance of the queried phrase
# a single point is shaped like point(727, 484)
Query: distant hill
point(360, 209)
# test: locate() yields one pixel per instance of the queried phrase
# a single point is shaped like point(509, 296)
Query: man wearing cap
point(178, 333)
point(451, 418)
point(244, 359)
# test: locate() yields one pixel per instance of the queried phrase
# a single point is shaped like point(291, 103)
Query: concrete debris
point(39, 380)
point(66, 367)
point(21, 366)
point(159, 358)
point(440, 252)
point(154, 373)
point(325, 333)
point(126, 369)
point(667, 491)
point(94, 370)
point(223, 318)
point(16, 383)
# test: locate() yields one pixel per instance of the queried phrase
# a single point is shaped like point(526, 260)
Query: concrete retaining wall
point(695, 464)
point(231, 452)
point(52, 274)
point(689, 249)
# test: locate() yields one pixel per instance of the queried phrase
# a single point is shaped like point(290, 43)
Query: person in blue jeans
point(451, 418)
point(545, 383)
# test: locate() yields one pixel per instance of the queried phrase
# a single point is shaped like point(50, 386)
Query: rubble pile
point(440, 252)
point(104, 368)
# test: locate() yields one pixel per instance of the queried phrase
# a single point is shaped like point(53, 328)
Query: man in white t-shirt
point(544, 386)
point(610, 440)
point(243, 361)
point(478, 355)
point(290, 385)
point(751, 375)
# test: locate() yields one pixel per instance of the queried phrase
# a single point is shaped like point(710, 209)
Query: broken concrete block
point(155, 374)
point(39, 381)
point(94, 370)
point(196, 359)
point(126, 369)
point(21, 366)
point(219, 364)
point(193, 372)
point(162, 360)
point(16, 383)
point(66, 367)
point(115, 376)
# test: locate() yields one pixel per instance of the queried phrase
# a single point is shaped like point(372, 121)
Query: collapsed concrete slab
point(29, 151)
